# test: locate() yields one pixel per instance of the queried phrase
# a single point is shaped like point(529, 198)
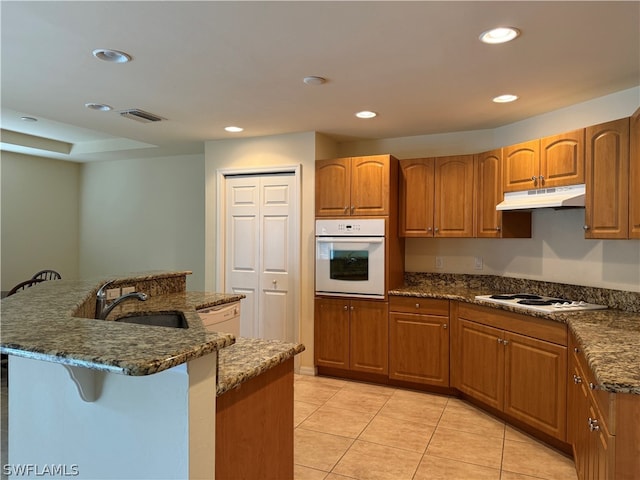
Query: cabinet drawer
point(420, 305)
point(604, 401)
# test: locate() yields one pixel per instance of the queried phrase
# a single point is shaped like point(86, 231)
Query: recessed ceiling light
point(505, 98)
point(233, 129)
point(101, 107)
point(313, 80)
point(28, 119)
point(113, 56)
point(366, 114)
point(499, 35)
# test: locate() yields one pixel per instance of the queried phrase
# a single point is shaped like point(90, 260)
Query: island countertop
point(610, 338)
point(46, 322)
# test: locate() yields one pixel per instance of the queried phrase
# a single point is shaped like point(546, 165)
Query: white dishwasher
point(222, 318)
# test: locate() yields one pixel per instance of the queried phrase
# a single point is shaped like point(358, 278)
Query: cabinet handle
point(437, 229)
point(585, 227)
point(593, 425)
point(535, 180)
point(593, 386)
point(576, 379)
point(445, 326)
point(346, 209)
point(576, 349)
point(498, 229)
point(541, 177)
point(500, 341)
point(505, 342)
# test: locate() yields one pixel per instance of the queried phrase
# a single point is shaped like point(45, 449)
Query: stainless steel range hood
point(556, 197)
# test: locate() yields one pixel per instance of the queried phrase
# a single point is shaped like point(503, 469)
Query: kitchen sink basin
point(156, 319)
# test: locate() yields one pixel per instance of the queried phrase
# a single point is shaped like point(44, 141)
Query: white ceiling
point(205, 65)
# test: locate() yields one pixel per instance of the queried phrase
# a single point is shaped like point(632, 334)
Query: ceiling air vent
point(141, 116)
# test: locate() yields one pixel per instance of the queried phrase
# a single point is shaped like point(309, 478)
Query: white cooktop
point(539, 303)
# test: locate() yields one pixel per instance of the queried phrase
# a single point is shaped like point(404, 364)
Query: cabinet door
point(577, 414)
point(535, 383)
point(488, 194)
point(601, 459)
point(370, 185)
point(369, 337)
point(562, 159)
point(331, 333)
point(607, 169)
point(419, 348)
point(480, 365)
point(521, 166)
point(333, 183)
point(453, 215)
point(416, 197)
point(634, 176)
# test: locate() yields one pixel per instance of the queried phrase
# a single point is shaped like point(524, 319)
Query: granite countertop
point(250, 357)
point(43, 323)
point(610, 338)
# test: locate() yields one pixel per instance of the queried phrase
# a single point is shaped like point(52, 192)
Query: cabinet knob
point(498, 229)
point(541, 177)
point(417, 305)
point(352, 308)
point(505, 342)
point(593, 425)
point(445, 326)
point(535, 180)
point(593, 386)
point(353, 208)
point(585, 227)
point(346, 209)
point(576, 379)
point(429, 229)
point(500, 341)
point(436, 229)
point(346, 307)
point(576, 349)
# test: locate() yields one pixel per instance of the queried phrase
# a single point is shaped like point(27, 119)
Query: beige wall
point(39, 211)
point(267, 152)
point(143, 214)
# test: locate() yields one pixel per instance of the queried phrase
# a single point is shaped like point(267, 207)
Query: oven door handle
point(350, 239)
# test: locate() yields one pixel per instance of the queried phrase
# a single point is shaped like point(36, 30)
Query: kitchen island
point(107, 399)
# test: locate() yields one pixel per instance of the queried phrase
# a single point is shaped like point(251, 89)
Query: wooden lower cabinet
point(508, 362)
point(254, 428)
point(603, 427)
point(419, 340)
point(351, 335)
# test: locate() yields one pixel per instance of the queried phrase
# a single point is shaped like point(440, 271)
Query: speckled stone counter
point(250, 357)
point(610, 338)
point(48, 322)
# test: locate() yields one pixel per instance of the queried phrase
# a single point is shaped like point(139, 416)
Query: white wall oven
point(350, 258)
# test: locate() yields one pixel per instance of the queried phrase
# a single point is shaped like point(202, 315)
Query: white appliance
point(539, 303)
point(222, 318)
point(350, 258)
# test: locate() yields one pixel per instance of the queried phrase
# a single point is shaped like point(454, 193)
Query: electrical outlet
point(126, 290)
point(113, 293)
point(478, 263)
point(439, 262)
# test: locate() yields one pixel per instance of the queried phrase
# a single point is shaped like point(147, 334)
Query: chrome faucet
point(103, 308)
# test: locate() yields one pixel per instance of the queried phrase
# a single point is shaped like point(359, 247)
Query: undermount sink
point(156, 319)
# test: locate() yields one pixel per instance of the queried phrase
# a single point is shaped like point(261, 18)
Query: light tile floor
point(349, 430)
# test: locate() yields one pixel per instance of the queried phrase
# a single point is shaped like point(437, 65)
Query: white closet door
point(260, 248)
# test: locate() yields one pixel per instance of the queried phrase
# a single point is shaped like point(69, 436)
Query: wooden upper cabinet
point(552, 161)
point(607, 180)
point(562, 159)
point(333, 187)
point(453, 196)
point(521, 165)
point(353, 186)
point(370, 185)
point(416, 197)
point(634, 176)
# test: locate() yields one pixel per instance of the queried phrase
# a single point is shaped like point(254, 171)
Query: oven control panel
point(346, 227)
